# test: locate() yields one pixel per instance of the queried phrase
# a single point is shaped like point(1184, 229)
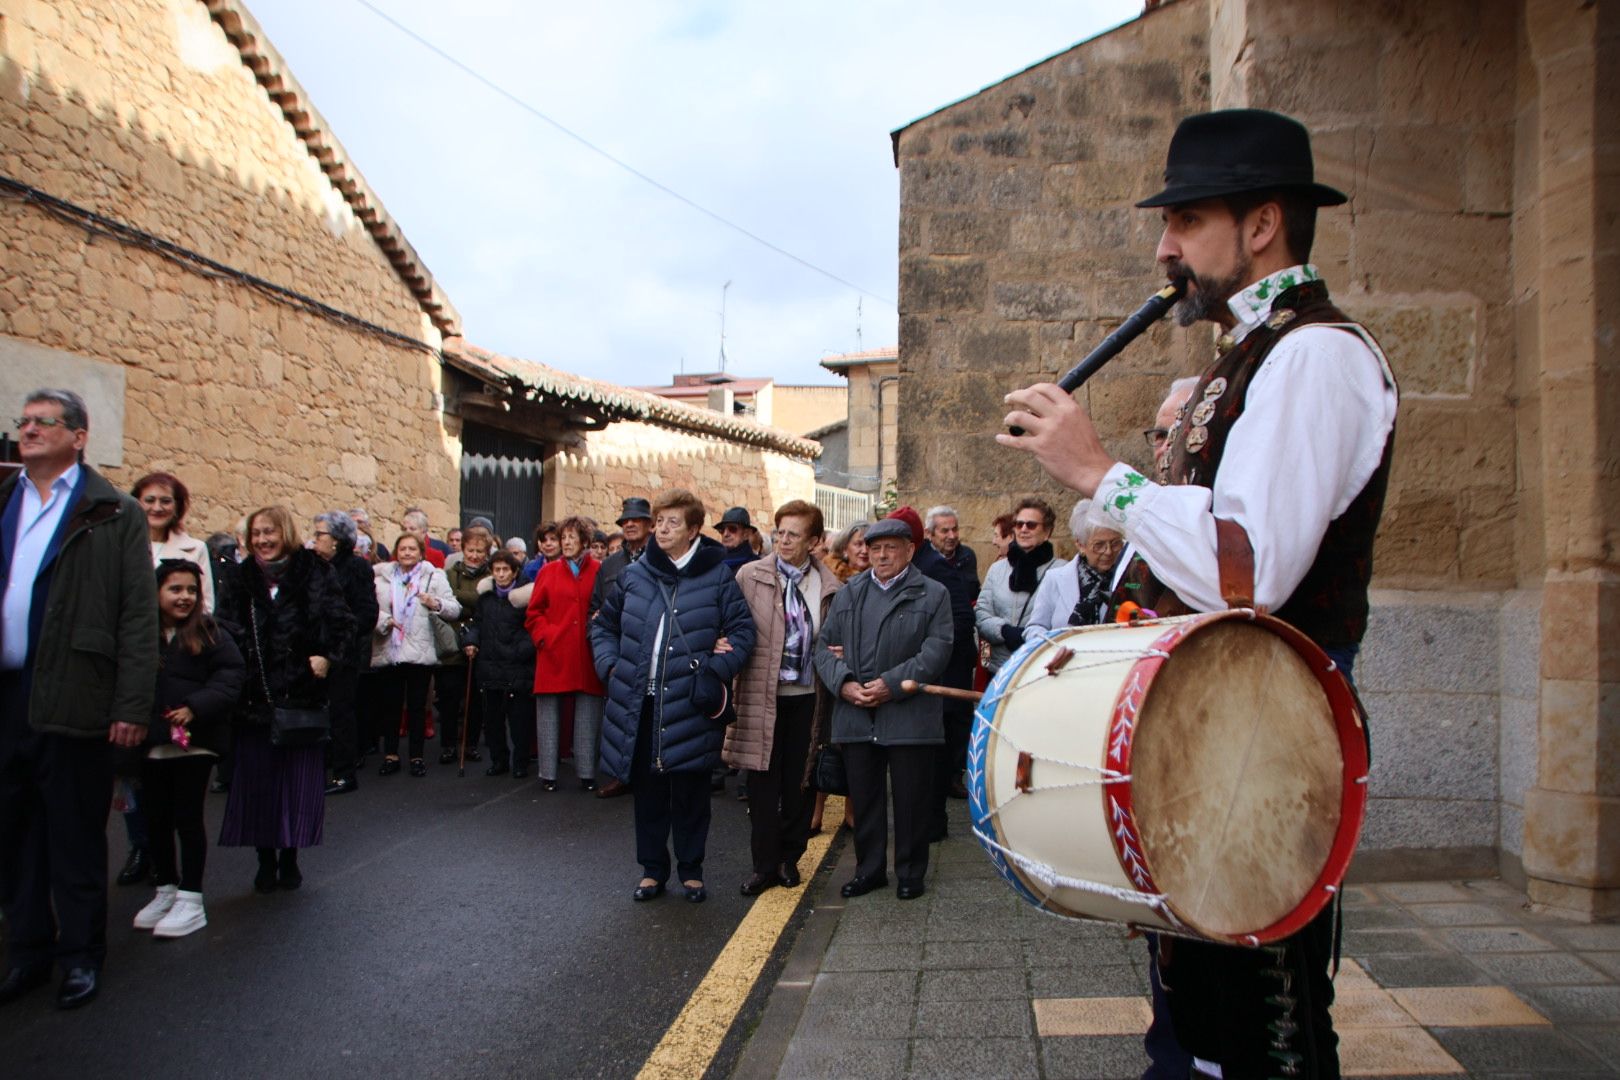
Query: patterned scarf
point(800, 629)
point(404, 590)
point(1092, 606)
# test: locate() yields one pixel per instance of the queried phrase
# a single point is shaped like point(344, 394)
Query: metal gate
point(501, 479)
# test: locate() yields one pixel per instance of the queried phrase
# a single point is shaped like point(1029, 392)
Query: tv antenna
point(723, 289)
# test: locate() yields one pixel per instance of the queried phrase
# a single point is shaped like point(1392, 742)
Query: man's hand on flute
point(1060, 435)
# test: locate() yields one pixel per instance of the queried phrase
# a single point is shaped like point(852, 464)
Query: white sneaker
point(186, 917)
point(152, 914)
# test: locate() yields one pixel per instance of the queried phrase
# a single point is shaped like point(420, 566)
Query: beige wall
point(628, 459)
point(141, 110)
point(874, 408)
point(803, 409)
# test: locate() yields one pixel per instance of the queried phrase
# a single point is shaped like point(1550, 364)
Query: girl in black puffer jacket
point(199, 682)
point(504, 664)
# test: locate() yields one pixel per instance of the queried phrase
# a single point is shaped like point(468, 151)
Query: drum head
point(1237, 779)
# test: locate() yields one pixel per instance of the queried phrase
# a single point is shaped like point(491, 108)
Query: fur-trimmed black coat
point(308, 617)
point(358, 583)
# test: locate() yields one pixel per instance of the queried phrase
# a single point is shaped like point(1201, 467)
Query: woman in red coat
point(558, 617)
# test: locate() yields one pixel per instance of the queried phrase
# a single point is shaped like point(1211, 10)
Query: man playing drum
point(1277, 473)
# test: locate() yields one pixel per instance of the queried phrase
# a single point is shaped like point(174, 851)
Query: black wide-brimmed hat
point(1237, 150)
point(635, 508)
point(737, 515)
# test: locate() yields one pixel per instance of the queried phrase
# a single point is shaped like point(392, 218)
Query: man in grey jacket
point(78, 670)
point(888, 625)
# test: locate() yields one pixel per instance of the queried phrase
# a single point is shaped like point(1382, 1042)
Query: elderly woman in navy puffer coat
point(668, 644)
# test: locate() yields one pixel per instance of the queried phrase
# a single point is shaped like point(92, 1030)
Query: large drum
point(1205, 775)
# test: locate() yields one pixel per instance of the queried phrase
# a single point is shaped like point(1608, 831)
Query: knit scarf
point(1092, 606)
point(1025, 564)
point(800, 628)
point(272, 569)
point(405, 588)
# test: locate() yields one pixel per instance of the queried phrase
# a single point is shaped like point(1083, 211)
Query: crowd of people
point(654, 660)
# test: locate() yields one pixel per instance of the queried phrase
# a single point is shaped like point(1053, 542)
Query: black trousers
point(952, 759)
point(369, 708)
point(55, 793)
point(779, 807)
point(1224, 1002)
point(871, 767)
point(667, 804)
point(450, 691)
point(343, 751)
point(511, 715)
point(404, 686)
point(175, 790)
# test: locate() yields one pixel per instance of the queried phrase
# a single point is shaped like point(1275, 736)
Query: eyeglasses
point(1028, 524)
point(1102, 547)
point(46, 422)
point(1156, 436)
point(318, 535)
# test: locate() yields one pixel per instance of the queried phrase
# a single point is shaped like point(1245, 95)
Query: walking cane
point(466, 718)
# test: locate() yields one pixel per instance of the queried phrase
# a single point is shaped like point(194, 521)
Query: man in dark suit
point(78, 669)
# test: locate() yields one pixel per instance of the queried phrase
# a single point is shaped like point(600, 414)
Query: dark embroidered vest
point(1330, 604)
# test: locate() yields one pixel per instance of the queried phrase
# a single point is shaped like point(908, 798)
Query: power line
point(626, 166)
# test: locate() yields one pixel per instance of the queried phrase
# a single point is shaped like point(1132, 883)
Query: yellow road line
point(694, 1038)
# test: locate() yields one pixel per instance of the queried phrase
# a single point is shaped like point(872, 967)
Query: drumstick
point(912, 686)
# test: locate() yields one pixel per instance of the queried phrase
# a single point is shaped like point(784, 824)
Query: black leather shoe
point(520, 772)
point(19, 981)
point(448, 757)
point(860, 886)
point(137, 868)
point(758, 883)
point(588, 785)
point(389, 767)
point(418, 767)
point(342, 786)
point(647, 892)
point(548, 785)
point(909, 890)
point(474, 755)
point(288, 875)
point(696, 894)
point(497, 769)
point(265, 880)
point(789, 875)
point(78, 987)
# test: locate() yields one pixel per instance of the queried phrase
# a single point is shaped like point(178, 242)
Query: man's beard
point(1207, 296)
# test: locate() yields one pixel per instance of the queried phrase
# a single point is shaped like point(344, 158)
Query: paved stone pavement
point(1439, 979)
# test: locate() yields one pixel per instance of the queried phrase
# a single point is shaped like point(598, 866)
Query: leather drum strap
point(1235, 556)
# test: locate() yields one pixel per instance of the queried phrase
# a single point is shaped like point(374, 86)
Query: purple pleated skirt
point(277, 797)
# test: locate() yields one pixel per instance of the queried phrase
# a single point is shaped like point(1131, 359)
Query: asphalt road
point(446, 928)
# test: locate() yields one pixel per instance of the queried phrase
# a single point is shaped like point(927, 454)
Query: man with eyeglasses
point(78, 669)
point(1002, 610)
point(1158, 436)
point(780, 702)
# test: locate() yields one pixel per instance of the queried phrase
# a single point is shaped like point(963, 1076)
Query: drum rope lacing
point(1048, 876)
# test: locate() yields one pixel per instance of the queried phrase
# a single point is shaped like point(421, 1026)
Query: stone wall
point(642, 459)
point(1019, 251)
point(142, 110)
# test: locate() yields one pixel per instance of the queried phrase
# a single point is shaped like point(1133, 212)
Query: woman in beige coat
point(781, 705)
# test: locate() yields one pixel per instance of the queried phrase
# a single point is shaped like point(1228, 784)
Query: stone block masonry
point(143, 111)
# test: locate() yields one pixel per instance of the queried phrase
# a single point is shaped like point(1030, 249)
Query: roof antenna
point(723, 290)
point(858, 345)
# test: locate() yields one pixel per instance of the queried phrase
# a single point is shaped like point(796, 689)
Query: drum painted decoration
point(1205, 775)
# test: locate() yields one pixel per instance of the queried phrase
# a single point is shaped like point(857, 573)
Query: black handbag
point(829, 776)
point(290, 728)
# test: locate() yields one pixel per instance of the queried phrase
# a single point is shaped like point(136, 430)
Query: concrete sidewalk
point(1439, 979)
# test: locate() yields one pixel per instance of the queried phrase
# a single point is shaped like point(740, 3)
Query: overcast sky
point(774, 116)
